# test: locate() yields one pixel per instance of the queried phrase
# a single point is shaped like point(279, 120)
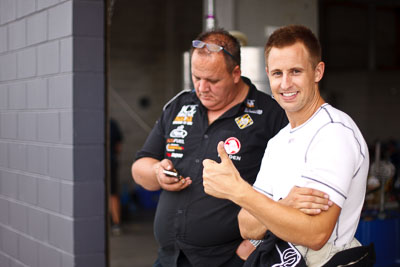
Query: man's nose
point(203, 85)
point(286, 81)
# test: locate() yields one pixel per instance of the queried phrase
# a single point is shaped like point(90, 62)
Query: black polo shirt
point(203, 227)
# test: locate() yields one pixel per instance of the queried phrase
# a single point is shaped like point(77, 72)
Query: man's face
point(213, 83)
point(293, 80)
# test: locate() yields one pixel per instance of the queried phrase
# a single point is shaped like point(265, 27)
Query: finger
point(311, 211)
point(314, 205)
point(188, 181)
point(313, 194)
point(222, 152)
point(318, 200)
point(184, 183)
point(168, 180)
point(319, 206)
point(178, 186)
point(318, 193)
point(314, 199)
point(309, 191)
point(167, 164)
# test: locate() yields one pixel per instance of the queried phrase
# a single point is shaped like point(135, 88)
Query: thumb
point(222, 152)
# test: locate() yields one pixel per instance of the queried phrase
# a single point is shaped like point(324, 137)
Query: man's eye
point(277, 73)
point(296, 71)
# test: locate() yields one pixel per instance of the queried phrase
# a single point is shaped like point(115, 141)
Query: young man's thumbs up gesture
point(222, 180)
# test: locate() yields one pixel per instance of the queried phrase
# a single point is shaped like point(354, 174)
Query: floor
point(135, 246)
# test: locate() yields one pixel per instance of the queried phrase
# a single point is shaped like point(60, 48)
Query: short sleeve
point(154, 145)
point(331, 161)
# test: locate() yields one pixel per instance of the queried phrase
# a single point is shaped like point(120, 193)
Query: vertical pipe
point(210, 16)
point(187, 76)
point(170, 49)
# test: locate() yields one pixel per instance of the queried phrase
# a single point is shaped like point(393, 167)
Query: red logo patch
point(232, 145)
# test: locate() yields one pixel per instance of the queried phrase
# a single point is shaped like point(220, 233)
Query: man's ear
point(319, 71)
point(266, 70)
point(236, 73)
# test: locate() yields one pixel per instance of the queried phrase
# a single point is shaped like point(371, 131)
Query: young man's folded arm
point(288, 223)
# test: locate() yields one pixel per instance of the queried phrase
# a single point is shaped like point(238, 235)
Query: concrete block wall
point(52, 192)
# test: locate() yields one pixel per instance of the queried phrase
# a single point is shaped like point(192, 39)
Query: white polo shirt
point(327, 153)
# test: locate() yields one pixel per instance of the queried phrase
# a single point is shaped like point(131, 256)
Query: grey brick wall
point(52, 192)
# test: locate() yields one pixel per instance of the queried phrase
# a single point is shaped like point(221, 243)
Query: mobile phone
point(173, 174)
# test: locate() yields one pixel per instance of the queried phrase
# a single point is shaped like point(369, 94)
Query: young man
point(191, 227)
point(321, 148)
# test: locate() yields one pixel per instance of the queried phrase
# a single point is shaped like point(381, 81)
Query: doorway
point(146, 41)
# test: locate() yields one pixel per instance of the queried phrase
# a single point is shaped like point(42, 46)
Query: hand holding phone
point(173, 173)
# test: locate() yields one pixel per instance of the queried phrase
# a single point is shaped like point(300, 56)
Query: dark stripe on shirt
point(269, 194)
point(334, 189)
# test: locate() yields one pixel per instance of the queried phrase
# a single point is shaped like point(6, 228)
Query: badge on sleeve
point(244, 121)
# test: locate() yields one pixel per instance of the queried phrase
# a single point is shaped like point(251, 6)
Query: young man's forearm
point(287, 223)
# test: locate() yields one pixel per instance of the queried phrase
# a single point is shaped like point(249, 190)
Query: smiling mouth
point(289, 94)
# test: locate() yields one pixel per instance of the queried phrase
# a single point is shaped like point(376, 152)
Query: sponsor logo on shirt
point(176, 140)
point(235, 157)
point(232, 145)
point(179, 132)
point(250, 103)
point(185, 116)
point(175, 144)
point(173, 147)
point(174, 155)
point(254, 111)
point(244, 121)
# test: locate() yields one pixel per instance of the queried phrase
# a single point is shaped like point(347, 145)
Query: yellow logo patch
point(244, 121)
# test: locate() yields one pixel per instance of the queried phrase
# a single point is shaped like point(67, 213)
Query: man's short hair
point(222, 38)
point(291, 34)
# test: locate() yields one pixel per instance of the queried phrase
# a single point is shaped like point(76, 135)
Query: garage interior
point(361, 48)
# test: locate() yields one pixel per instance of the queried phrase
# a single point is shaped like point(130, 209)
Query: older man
point(191, 227)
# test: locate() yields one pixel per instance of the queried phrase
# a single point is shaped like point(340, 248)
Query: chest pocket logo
point(232, 145)
point(244, 121)
point(185, 116)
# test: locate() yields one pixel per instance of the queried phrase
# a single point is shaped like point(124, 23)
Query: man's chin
point(207, 102)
